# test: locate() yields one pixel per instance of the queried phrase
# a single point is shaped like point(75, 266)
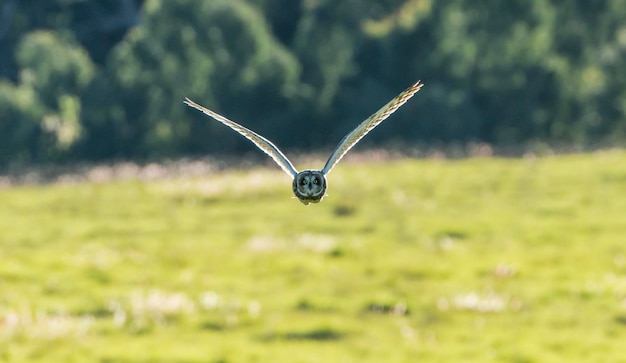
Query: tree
point(42, 112)
point(220, 53)
point(107, 79)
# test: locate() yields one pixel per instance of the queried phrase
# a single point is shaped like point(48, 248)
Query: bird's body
point(309, 186)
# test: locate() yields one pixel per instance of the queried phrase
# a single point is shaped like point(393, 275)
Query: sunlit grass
point(475, 260)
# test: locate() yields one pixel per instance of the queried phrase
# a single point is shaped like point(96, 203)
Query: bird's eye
point(315, 181)
point(305, 182)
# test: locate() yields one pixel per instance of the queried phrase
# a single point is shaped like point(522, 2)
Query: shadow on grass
point(213, 326)
point(322, 334)
point(621, 319)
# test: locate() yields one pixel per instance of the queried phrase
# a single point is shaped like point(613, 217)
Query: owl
point(309, 186)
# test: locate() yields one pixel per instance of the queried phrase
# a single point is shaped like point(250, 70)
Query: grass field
point(475, 260)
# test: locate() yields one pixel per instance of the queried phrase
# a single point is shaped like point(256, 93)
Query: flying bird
point(309, 186)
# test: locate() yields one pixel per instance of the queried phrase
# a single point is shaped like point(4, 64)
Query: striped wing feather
point(366, 126)
point(262, 143)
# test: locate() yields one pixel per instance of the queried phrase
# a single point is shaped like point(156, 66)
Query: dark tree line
point(93, 80)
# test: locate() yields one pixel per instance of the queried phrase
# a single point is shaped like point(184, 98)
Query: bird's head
point(309, 186)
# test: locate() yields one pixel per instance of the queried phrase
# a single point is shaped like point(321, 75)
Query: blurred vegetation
point(478, 260)
point(95, 80)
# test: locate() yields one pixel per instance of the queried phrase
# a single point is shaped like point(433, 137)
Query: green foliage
point(220, 52)
point(41, 115)
point(534, 71)
point(66, 68)
point(512, 260)
point(304, 72)
point(20, 115)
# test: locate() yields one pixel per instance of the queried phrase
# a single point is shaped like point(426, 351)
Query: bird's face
point(309, 186)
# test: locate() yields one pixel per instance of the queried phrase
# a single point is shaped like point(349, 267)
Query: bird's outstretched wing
point(262, 143)
point(366, 126)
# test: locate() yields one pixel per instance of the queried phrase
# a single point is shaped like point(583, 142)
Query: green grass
point(477, 260)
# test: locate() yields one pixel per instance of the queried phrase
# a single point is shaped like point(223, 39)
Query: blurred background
point(104, 80)
point(483, 259)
